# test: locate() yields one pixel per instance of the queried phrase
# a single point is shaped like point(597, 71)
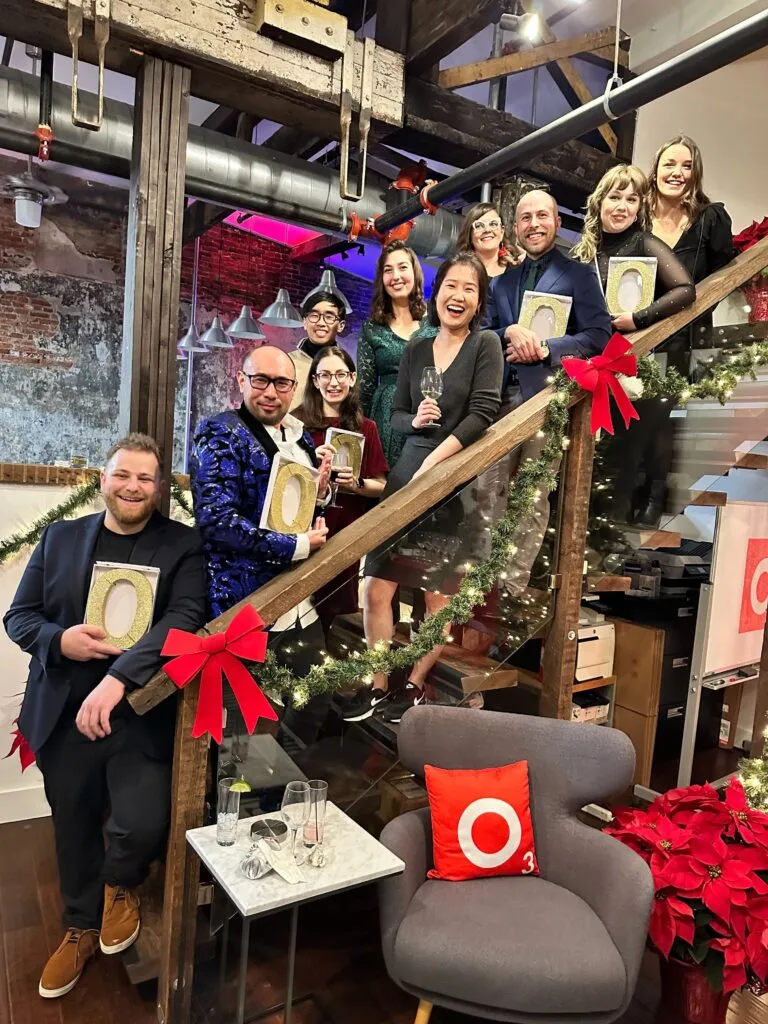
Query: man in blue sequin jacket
point(230, 466)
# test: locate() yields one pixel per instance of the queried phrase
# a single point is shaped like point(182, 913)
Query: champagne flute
point(432, 387)
point(339, 461)
point(295, 809)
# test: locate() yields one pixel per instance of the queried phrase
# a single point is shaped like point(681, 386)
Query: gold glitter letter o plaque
point(95, 612)
point(307, 500)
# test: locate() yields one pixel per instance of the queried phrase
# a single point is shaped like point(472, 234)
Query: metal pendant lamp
point(281, 313)
point(245, 327)
point(328, 284)
point(216, 336)
point(190, 341)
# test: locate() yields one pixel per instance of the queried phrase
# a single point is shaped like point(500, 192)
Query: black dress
point(704, 247)
point(471, 398)
point(629, 449)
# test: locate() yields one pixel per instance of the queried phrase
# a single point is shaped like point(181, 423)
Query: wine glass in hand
point(295, 809)
point(432, 386)
point(339, 461)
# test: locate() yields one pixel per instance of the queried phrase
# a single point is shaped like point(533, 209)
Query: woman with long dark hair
point(471, 364)
point(332, 399)
point(483, 233)
point(617, 224)
point(397, 319)
point(700, 234)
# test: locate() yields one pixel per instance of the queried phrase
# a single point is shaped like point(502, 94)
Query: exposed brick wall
point(61, 312)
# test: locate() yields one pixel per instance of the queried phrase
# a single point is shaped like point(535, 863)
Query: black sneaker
point(410, 697)
point(363, 704)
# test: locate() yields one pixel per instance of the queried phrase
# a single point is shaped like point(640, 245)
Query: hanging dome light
point(215, 336)
point(245, 327)
point(328, 284)
point(281, 313)
point(191, 342)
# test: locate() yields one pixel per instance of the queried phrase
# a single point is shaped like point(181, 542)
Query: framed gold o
point(354, 451)
point(95, 612)
point(302, 521)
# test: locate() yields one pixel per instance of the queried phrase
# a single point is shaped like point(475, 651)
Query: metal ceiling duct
point(222, 170)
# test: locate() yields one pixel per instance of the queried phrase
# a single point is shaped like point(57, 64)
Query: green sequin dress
point(379, 351)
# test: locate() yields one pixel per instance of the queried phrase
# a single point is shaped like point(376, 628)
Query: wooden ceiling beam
point(232, 64)
point(570, 77)
point(523, 60)
point(442, 125)
point(438, 29)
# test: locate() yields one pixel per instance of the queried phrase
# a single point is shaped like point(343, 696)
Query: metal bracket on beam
point(101, 17)
point(366, 101)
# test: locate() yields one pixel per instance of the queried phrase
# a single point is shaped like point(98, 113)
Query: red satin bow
point(598, 375)
point(220, 653)
point(26, 756)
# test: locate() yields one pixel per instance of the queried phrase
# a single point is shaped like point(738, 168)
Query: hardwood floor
point(339, 960)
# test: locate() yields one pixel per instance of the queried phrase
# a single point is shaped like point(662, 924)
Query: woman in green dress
point(397, 317)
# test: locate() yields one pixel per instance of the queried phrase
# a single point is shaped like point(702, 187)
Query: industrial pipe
point(226, 171)
point(731, 45)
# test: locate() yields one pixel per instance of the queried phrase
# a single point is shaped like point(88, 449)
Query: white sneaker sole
point(120, 947)
point(54, 993)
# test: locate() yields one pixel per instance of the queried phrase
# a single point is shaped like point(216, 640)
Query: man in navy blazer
point(95, 753)
point(545, 269)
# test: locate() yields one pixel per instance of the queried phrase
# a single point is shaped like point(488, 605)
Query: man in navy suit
point(545, 269)
point(95, 753)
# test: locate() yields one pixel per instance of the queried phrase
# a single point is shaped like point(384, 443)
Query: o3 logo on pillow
point(481, 822)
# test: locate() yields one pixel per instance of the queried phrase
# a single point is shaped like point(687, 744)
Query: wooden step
point(751, 455)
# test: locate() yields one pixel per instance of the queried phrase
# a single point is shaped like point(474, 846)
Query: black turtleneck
point(674, 288)
point(309, 348)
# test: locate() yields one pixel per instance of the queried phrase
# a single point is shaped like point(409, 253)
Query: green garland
point(180, 498)
point(80, 497)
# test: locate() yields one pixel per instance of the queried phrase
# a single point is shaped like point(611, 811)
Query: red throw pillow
point(481, 822)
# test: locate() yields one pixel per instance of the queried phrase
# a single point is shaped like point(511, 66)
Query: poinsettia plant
point(751, 236)
point(709, 858)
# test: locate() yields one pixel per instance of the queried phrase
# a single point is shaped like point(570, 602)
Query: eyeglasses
point(490, 225)
point(327, 318)
point(324, 377)
point(260, 382)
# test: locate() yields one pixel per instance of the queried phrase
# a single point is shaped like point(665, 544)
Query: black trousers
point(83, 779)
point(299, 649)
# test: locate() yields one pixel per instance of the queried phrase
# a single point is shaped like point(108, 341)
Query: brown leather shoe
point(64, 967)
point(120, 922)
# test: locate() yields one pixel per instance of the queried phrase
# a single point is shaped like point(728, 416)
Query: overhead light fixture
point(30, 195)
point(191, 342)
point(525, 26)
point(328, 284)
point(245, 327)
point(216, 336)
point(282, 313)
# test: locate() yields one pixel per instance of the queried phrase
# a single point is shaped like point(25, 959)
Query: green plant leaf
point(713, 968)
point(700, 951)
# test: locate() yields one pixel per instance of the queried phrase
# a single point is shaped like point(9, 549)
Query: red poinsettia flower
point(665, 839)
point(671, 918)
point(733, 946)
point(713, 873)
point(757, 936)
point(682, 805)
point(752, 235)
point(743, 822)
point(630, 825)
point(19, 744)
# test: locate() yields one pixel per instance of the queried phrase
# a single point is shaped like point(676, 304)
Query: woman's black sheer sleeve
point(674, 284)
point(718, 232)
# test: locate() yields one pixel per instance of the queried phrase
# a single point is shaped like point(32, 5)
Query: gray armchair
point(563, 947)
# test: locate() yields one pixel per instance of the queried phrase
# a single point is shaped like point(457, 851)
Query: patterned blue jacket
point(230, 465)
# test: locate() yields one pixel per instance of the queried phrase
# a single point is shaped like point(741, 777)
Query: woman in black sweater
point(472, 366)
point(616, 224)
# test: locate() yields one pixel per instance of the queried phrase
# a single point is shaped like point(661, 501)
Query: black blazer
point(51, 597)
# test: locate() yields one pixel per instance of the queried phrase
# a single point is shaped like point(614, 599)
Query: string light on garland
point(753, 773)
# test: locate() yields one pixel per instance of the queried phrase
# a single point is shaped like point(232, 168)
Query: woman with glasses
point(323, 315)
point(397, 319)
point(332, 399)
point(482, 232)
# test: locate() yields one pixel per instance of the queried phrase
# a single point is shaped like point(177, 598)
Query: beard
point(129, 514)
